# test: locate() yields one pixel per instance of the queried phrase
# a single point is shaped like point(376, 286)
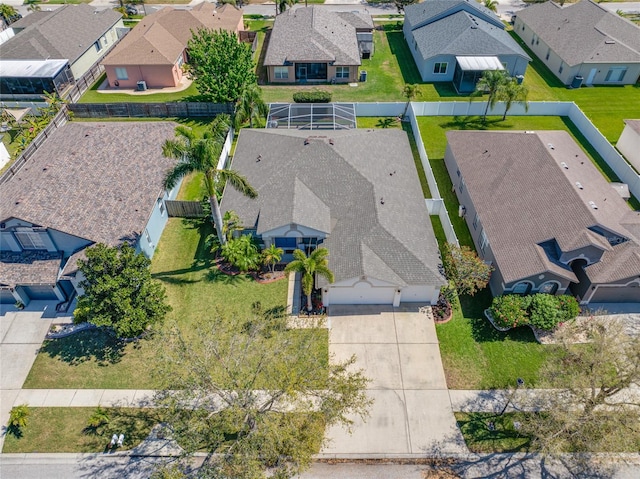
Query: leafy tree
point(119, 291)
point(250, 106)
point(490, 82)
point(309, 266)
point(201, 154)
point(32, 5)
point(242, 252)
point(400, 4)
point(465, 269)
point(272, 255)
point(220, 65)
point(581, 410)
point(410, 92)
point(490, 4)
point(511, 92)
point(7, 11)
point(282, 5)
point(256, 398)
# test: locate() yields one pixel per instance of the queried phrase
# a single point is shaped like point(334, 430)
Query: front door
point(302, 73)
point(592, 75)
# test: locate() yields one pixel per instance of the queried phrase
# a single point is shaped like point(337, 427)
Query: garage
point(362, 292)
point(6, 297)
point(617, 294)
point(40, 292)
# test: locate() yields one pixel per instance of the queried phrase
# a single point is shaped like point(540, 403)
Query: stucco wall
point(331, 73)
point(629, 145)
point(156, 76)
point(91, 56)
point(157, 221)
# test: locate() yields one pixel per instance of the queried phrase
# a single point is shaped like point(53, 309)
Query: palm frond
point(174, 175)
point(238, 182)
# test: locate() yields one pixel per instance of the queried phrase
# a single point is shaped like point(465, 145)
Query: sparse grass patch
point(501, 437)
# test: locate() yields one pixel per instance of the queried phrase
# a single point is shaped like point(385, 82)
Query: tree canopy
point(310, 266)
point(220, 65)
point(253, 394)
point(119, 291)
point(465, 269)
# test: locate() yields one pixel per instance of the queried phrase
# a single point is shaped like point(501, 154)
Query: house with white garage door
point(355, 192)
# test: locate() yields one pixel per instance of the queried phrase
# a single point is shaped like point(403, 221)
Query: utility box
point(577, 81)
point(363, 75)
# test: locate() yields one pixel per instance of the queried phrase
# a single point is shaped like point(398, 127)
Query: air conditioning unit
point(142, 85)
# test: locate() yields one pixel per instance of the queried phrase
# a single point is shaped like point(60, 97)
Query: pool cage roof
point(312, 116)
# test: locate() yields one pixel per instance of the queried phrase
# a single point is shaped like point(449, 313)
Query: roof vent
point(563, 164)
point(579, 185)
point(550, 145)
point(260, 157)
point(593, 205)
point(331, 141)
point(382, 200)
point(530, 132)
point(610, 42)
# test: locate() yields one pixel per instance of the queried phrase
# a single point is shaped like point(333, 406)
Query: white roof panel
point(31, 68)
point(479, 63)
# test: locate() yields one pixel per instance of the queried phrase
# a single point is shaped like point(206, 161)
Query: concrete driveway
point(398, 350)
point(21, 336)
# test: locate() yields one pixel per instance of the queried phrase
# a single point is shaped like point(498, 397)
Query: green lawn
point(503, 438)
point(58, 430)
point(93, 96)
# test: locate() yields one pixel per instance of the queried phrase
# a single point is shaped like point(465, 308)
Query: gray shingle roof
point(584, 32)
point(445, 27)
point(379, 222)
point(29, 267)
point(98, 181)
point(65, 33)
point(312, 35)
point(524, 197)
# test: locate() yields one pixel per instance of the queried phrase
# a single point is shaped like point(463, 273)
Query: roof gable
point(431, 11)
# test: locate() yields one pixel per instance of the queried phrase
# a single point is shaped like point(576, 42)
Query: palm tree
point(282, 5)
point(490, 4)
point(32, 5)
point(7, 11)
point(511, 92)
point(272, 255)
point(230, 223)
point(200, 154)
point(250, 106)
point(410, 92)
point(490, 82)
point(309, 266)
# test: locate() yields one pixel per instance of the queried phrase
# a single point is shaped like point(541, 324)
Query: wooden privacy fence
point(145, 110)
point(184, 209)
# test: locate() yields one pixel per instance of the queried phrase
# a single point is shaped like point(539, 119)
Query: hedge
point(544, 311)
point(317, 96)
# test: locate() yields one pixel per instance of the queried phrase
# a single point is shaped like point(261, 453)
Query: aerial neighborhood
point(393, 234)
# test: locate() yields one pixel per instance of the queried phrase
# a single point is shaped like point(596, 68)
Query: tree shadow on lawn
point(89, 345)
point(216, 276)
point(475, 123)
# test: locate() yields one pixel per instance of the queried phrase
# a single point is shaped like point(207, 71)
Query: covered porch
point(469, 70)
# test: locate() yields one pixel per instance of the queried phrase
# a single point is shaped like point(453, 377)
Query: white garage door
point(361, 293)
point(612, 294)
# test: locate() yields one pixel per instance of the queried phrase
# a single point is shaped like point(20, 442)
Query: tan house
point(155, 50)
point(582, 42)
point(316, 45)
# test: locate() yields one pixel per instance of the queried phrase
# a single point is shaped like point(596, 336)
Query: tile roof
point(312, 35)
point(98, 181)
point(445, 27)
point(531, 188)
point(159, 38)
point(29, 267)
point(65, 33)
point(365, 178)
point(584, 32)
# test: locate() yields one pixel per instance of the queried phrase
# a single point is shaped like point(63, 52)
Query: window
point(461, 187)
point(161, 206)
point(522, 288)
point(548, 53)
point(148, 236)
point(533, 39)
point(440, 68)
point(550, 287)
point(561, 67)
point(29, 239)
point(483, 241)
point(98, 46)
point(342, 72)
point(615, 74)
point(475, 221)
point(281, 73)
point(121, 73)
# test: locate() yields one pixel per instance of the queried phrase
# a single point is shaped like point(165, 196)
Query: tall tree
point(220, 65)
point(465, 269)
point(511, 92)
point(490, 82)
point(584, 410)
point(400, 4)
point(490, 4)
point(252, 395)
point(309, 266)
point(410, 92)
point(201, 154)
point(282, 5)
point(250, 106)
point(119, 291)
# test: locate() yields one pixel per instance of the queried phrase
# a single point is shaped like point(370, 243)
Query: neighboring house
point(457, 40)
point(155, 50)
point(31, 78)
point(80, 34)
point(316, 45)
point(544, 216)
point(629, 143)
point(354, 192)
point(582, 40)
point(88, 183)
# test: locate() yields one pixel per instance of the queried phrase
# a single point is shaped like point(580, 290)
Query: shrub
point(98, 418)
point(18, 417)
point(545, 311)
point(316, 96)
point(510, 310)
point(242, 252)
point(569, 307)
